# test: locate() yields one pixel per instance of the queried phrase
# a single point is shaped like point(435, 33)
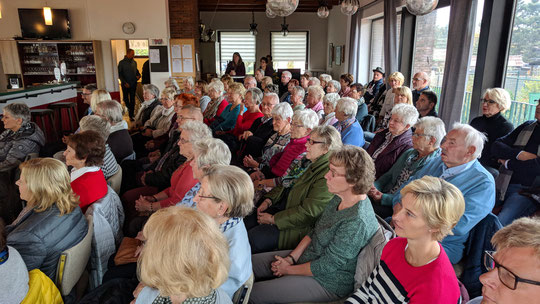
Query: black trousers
point(129, 98)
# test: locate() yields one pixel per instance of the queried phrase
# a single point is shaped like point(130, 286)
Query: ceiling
point(257, 5)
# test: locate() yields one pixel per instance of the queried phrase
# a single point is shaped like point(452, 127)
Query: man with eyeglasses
point(87, 95)
point(514, 269)
point(420, 83)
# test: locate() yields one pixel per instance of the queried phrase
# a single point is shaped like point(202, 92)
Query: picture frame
point(330, 54)
point(338, 54)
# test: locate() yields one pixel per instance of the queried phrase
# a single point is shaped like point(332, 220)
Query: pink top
point(281, 161)
point(181, 182)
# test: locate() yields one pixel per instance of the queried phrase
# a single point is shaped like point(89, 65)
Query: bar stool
point(41, 114)
point(71, 108)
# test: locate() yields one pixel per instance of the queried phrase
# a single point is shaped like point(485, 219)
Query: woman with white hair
point(329, 103)
point(390, 143)
point(118, 140)
point(297, 98)
point(189, 85)
point(160, 121)
point(172, 83)
point(324, 80)
point(495, 102)
point(347, 125)
point(151, 101)
point(333, 86)
point(314, 99)
point(426, 140)
point(217, 103)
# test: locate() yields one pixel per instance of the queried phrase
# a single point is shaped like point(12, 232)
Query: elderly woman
point(289, 210)
point(402, 95)
point(414, 267)
point(189, 85)
point(161, 118)
point(227, 119)
point(266, 81)
point(426, 140)
point(357, 93)
point(390, 143)
point(236, 67)
point(290, 87)
point(303, 122)
point(193, 268)
point(314, 99)
point(217, 102)
point(297, 98)
point(314, 81)
point(345, 80)
point(324, 262)
point(151, 101)
point(118, 140)
point(97, 97)
point(304, 80)
point(495, 102)
point(325, 80)
point(201, 92)
point(281, 121)
point(347, 125)
point(252, 101)
point(85, 152)
point(172, 83)
point(226, 194)
point(99, 125)
point(385, 101)
point(329, 103)
point(259, 74)
point(333, 86)
point(51, 221)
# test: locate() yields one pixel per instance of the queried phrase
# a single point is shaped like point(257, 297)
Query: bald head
point(420, 80)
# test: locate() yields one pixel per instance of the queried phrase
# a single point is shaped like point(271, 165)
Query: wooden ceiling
point(257, 5)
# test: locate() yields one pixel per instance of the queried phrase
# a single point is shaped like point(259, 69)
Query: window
point(139, 46)
point(290, 52)
point(377, 42)
point(522, 79)
point(241, 42)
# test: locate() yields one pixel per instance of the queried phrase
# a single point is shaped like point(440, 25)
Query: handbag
point(126, 251)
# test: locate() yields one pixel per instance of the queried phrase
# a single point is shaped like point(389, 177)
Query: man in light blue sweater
point(459, 166)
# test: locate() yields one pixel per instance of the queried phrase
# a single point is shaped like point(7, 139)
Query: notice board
point(159, 61)
point(183, 62)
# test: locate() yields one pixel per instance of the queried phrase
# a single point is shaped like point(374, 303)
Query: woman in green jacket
point(289, 212)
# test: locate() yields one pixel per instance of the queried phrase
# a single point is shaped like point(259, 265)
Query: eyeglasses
point(86, 94)
point(184, 141)
point(313, 142)
point(508, 278)
point(418, 135)
point(335, 174)
point(297, 125)
point(488, 101)
point(208, 197)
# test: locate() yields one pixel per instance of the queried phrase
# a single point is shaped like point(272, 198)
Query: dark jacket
point(240, 70)
point(162, 178)
point(372, 90)
point(146, 72)
point(121, 144)
point(147, 112)
point(493, 127)
point(40, 237)
point(416, 95)
point(15, 146)
point(261, 133)
point(391, 153)
point(127, 71)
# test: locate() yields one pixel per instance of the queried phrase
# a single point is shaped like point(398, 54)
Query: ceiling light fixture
point(285, 27)
point(253, 25)
point(349, 7)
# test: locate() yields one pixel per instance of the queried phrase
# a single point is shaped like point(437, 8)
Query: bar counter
point(39, 96)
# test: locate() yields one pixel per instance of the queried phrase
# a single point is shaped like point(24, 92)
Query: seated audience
point(402, 95)
point(333, 86)
point(329, 104)
point(86, 96)
point(357, 93)
point(266, 67)
point(286, 76)
point(281, 121)
point(250, 82)
point(189, 86)
point(325, 80)
point(227, 119)
point(385, 101)
point(226, 194)
point(217, 103)
point(85, 152)
point(194, 265)
point(289, 210)
point(161, 118)
point(493, 124)
point(314, 100)
point(201, 92)
point(388, 144)
point(272, 88)
point(13, 272)
point(346, 80)
point(313, 81)
point(259, 74)
point(151, 101)
point(172, 83)
point(266, 81)
point(347, 125)
point(97, 97)
point(297, 98)
point(513, 269)
point(227, 80)
point(99, 125)
point(426, 141)
point(420, 83)
point(426, 103)
point(236, 67)
point(118, 140)
point(322, 267)
point(304, 80)
point(286, 97)
point(518, 154)
point(52, 221)
point(414, 267)
point(376, 84)
point(459, 166)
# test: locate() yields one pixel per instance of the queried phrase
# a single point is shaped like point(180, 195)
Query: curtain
point(354, 46)
point(458, 53)
point(390, 37)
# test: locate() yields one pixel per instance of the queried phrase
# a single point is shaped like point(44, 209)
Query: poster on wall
point(159, 59)
point(176, 51)
point(154, 56)
point(177, 65)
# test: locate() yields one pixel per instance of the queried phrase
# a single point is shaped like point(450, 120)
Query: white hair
point(287, 74)
point(336, 84)
point(211, 151)
point(433, 127)
point(325, 77)
point(307, 117)
point(299, 91)
point(256, 95)
point(282, 109)
point(197, 129)
point(315, 80)
point(348, 106)
point(331, 98)
point(251, 79)
point(500, 96)
point(171, 82)
point(217, 86)
point(408, 113)
point(273, 96)
point(473, 137)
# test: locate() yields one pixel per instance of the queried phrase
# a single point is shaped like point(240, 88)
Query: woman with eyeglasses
point(414, 267)
point(495, 102)
point(323, 265)
point(289, 210)
point(514, 269)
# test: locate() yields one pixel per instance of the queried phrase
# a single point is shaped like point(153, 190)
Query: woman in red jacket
point(85, 152)
point(217, 103)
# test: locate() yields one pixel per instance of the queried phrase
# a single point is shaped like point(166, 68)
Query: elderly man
point(518, 152)
point(250, 82)
point(458, 165)
point(514, 269)
point(420, 83)
point(426, 104)
point(87, 96)
point(283, 85)
point(374, 85)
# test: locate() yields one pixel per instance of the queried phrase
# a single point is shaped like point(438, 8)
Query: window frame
point(218, 40)
point(307, 46)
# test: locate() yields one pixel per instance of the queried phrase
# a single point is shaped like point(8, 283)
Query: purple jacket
point(388, 156)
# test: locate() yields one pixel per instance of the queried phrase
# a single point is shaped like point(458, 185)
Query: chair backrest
point(115, 181)
point(241, 296)
point(132, 156)
point(368, 123)
point(72, 262)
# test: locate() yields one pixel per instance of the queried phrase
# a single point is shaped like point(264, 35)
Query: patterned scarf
point(343, 125)
point(407, 171)
point(209, 299)
point(389, 138)
point(294, 174)
point(212, 107)
point(230, 223)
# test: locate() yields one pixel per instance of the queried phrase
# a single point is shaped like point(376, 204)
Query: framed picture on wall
point(338, 54)
point(330, 54)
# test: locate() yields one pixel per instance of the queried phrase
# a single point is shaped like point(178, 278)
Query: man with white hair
point(286, 76)
point(250, 82)
point(459, 165)
point(420, 83)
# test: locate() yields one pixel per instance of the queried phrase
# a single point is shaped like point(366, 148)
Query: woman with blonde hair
point(402, 95)
point(414, 267)
point(52, 221)
point(227, 118)
point(97, 97)
point(194, 264)
point(385, 101)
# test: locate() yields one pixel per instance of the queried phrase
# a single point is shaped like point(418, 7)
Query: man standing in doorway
point(128, 74)
point(420, 83)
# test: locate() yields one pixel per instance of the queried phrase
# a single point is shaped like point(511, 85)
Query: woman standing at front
point(236, 67)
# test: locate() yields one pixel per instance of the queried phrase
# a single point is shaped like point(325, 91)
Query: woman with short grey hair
point(188, 85)
point(172, 83)
point(324, 80)
point(119, 139)
point(217, 103)
point(297, 98)
point(314, 99)
point(101, 126)
point(151, 101)
point(329, 103)
point(333, 86)
point(347, 125)
point(426, 140)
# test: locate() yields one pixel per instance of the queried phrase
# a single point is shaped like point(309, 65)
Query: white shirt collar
point(76, 173)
